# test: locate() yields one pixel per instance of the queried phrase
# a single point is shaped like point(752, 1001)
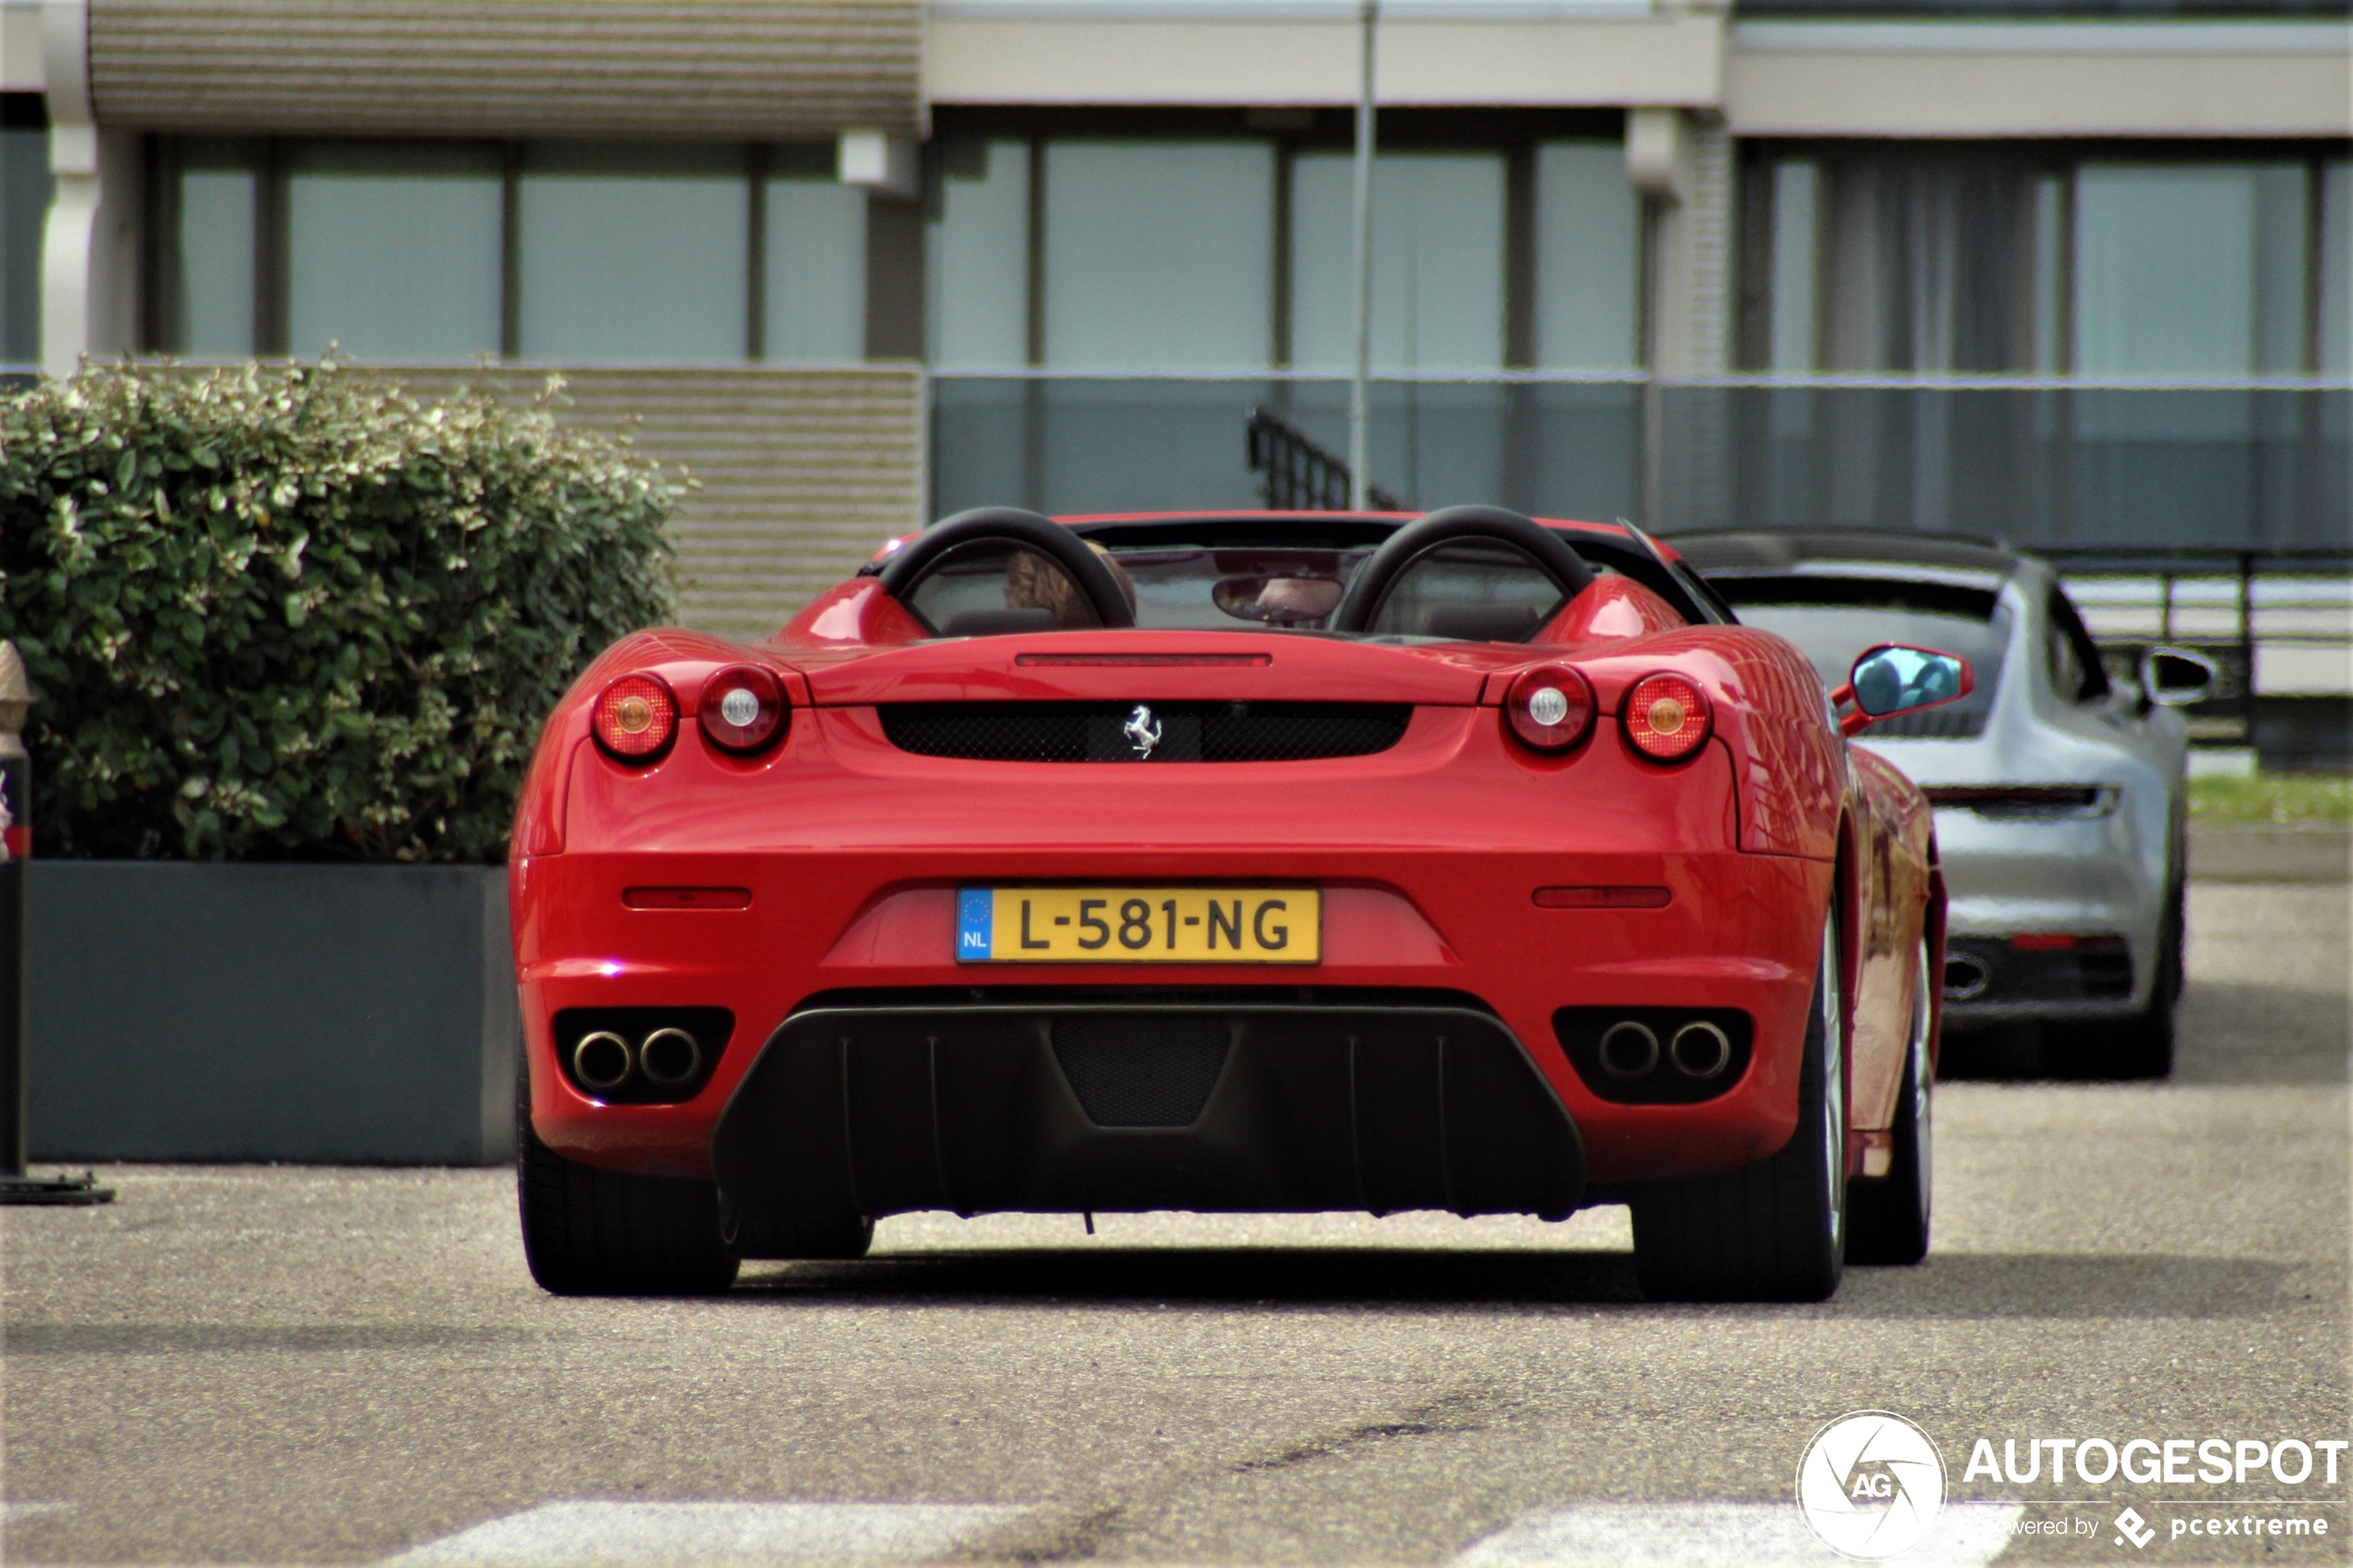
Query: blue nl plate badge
point(976, 909)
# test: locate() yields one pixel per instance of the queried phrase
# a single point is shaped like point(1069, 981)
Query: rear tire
point(1776, 1230)
point(591, 1232)
point(2142, 1046)
point(1888, 1218)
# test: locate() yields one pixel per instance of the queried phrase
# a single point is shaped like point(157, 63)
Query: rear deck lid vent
point(1145, 732)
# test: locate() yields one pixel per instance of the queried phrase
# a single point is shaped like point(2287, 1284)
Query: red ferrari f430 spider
point(1240, 862)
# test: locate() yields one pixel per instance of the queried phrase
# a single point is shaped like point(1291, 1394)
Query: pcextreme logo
point(1871, 1485)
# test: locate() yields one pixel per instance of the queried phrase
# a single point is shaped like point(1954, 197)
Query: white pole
point(1360, 407)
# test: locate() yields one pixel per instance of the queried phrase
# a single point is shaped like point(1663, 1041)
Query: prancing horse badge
point(1143, 732)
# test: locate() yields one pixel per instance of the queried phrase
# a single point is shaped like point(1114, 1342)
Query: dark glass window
point(579, 252)
point(2077, 673)
point(1986, 260)
point(24, 205)
point(1833, 620)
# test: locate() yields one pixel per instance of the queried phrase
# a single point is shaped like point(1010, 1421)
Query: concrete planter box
point(358, 1014)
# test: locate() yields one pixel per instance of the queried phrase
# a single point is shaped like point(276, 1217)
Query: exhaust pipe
point(1700, 1049)
point(1629, 1049)
point(1967, 977)
point(602, 1060)
point(670, 1058)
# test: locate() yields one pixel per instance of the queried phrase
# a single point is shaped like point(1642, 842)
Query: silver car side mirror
point(2176, 677)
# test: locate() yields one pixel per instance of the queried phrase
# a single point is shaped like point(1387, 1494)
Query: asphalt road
point(271, 1365)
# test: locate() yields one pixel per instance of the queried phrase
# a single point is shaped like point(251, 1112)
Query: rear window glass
point(1464, 592)
point(1833, 620)
point(1476, 591)
point(1197, 589)
point(1469, 591)
point(990, 586)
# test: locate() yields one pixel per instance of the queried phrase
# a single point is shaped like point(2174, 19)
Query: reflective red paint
point(1459, 859)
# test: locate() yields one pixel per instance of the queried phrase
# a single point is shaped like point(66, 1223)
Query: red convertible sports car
point(1244, 862)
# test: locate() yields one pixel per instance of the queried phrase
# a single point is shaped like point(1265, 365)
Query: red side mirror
point(1892, 679)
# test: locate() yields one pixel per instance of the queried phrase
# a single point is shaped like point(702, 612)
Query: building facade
point(2056, 271)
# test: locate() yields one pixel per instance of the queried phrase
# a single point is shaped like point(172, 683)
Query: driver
point(1032, 582)
point(1296, 599)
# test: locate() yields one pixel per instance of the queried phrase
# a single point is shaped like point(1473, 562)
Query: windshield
point(1833, 620)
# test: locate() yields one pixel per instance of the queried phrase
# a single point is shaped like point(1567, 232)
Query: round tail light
point(636, 719)
point(1666, 717)
point(743, 708)
point(1550, 709)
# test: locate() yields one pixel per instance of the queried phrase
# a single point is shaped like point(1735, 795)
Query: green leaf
point(204, 693)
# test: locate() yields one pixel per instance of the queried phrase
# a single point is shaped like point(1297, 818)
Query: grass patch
point(2274, 797)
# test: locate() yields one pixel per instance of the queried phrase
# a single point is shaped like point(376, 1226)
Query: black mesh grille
point(990, 732)
point(1186, 731)
point(1141, 1069)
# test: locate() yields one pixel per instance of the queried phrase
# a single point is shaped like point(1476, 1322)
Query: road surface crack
point(1441, 1417)
point(1087, 1536)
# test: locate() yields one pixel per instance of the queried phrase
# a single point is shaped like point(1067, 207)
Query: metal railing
point(1302, 474)
point(2258, 464)
point(2278, 623)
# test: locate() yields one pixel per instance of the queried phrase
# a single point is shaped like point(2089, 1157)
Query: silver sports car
point(2057, 783)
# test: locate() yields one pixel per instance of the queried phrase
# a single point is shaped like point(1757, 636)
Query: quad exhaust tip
point(640, 1055)
point(603, 1060)
point(1700, 1049)
point(1630, 1054)
point(1967, 976)
point(1629, 1049)
point(670, 1058)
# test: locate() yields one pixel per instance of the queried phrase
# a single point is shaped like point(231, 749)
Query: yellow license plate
point(1140, 926)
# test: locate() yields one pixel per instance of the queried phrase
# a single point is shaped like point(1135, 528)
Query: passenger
point(1032, 582)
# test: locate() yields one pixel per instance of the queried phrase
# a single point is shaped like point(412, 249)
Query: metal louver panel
point(743, 69)
point(801, 473)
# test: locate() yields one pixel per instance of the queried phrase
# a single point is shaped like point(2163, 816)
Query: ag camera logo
point(1871, 1485)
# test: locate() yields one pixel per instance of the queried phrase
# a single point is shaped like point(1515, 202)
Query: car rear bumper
point(1233, 1104)
point(1991, 980)
point(2085, 877)
point(1741, 933)
point(1430, 862)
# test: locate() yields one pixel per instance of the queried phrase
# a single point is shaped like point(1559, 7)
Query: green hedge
point(291, 613)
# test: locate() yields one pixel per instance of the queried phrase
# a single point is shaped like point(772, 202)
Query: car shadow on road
point(2051, 1285)
point(2079, 1286)
point(2227, 1033)
point(2239, 1033)
point(1322, 1275)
